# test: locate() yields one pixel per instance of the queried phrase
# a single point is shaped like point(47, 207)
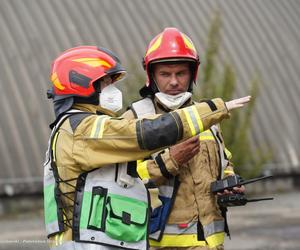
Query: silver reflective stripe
point(214, 227)
point(71, 245)
point(175, 229)
point(193, 119)
point(104, 177)
point(155, 235)
point(144, 107)
point(224, 162)
point(86, 235)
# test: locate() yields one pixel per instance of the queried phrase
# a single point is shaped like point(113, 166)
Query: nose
point(173, 80)
point(107, 80)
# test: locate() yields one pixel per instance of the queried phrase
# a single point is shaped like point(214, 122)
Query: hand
point(237, 103)
point(186, 150)
point(239, 189)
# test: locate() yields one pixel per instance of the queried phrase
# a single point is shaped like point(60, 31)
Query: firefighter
point(185, 215)
point(92, 196)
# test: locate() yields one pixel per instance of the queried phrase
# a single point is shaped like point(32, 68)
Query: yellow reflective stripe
point(188, 42)
point(98, 127)
point(155, 45)
point(56, 240)
point(182, 240)
point(94, 62)
point(193, 119)
point(206, 136)
point(198, 119)
point(228, 172)
point(142, 169)
point(56, 82)
point(189, 120)
point(228, 154)
point(54, 146)
point(215, 239)
point(61, 236)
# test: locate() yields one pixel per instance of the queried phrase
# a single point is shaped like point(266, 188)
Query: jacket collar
point(93, 109)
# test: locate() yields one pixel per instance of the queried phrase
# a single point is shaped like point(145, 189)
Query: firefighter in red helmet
point(185, 214)
point(92, 197)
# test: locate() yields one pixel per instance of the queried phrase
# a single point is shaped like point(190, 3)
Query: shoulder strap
point(223, 160)
point(74, 124)
point(143, 108)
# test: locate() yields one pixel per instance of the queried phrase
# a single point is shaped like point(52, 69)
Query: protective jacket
point(186, 213)
point(92, 196)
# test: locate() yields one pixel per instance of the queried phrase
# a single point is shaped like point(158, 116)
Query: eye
point(165, 74)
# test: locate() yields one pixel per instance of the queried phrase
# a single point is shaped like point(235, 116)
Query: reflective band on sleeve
point(198, 119)
point(185, 240)
point(194, 120)
point(142, 169)
point(214, 227)
point(215, 239)
point(98, 127)
point(228, 154)
point(206, 136)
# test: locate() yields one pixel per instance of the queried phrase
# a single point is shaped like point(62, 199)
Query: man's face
point(173, 78)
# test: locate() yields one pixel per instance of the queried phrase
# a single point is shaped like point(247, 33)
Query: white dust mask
point(111, 98)
point(173, 101)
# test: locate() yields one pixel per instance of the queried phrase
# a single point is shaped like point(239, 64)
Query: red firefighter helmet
point(75, 71)
point(171, 45)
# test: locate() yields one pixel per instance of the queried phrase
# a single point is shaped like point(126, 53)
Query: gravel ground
point(256, 226)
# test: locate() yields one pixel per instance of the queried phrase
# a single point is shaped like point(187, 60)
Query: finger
point(243, 100)
point(195, 150)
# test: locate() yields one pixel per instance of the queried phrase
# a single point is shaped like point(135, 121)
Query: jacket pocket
point(126, 218)
point(97, 213)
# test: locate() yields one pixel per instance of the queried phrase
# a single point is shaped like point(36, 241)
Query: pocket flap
point(128, 210)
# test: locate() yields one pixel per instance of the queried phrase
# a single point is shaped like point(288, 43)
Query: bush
point(216, 82)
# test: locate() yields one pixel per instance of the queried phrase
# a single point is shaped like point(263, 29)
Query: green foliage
point(216, 81)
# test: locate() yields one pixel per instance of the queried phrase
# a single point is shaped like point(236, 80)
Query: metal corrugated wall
point(258, 36)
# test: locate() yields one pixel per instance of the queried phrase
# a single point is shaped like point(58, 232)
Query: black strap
point(211, 104)
point(162, 167)
point(226, 227)
point(131, 169)
point(200, 232)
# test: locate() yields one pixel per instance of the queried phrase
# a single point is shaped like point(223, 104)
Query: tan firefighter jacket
point(191, 200)
point(85, 149)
